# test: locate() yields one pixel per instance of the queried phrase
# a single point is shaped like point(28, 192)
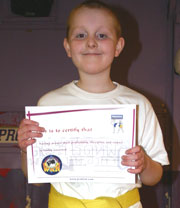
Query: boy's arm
point(152, 172)
point(149, 170)
point(24, 163)
point(27, 131)
point(24, 166)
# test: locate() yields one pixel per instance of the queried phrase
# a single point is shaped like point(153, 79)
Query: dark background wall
point(33, 61)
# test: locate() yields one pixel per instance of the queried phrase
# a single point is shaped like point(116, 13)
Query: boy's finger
point(23, 145)
point(30, 128)
point(27, 121)
point(29, 135)
point(133, 150)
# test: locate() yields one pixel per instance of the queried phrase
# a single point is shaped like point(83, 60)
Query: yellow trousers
point(57, 200)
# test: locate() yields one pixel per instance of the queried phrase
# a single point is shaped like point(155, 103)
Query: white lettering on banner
point(8, 134)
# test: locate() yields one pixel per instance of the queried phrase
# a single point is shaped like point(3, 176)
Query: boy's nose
point(91, 43)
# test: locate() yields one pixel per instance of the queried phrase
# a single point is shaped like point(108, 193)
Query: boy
point(93, 40)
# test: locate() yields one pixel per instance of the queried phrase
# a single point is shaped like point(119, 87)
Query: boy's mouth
point(91, 54)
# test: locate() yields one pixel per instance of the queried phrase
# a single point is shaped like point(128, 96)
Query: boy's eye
point(80, 35)
point(101, 36)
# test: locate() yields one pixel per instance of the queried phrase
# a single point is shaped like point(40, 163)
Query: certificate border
point(29, 115)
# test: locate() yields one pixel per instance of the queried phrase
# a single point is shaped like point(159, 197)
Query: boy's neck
point(96, 85)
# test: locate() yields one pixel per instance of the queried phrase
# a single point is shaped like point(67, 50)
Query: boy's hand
point(28, 129)
point(135, 157)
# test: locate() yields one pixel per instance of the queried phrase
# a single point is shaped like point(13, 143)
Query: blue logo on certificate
point(51, 165)
point(117, 122)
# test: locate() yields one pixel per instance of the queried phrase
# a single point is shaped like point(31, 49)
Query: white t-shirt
point(149, 134)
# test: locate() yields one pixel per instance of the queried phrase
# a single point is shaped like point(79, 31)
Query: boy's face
point(93, 43)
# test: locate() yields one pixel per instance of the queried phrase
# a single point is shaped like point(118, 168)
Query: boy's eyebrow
point(77, 29)
point(83, 28)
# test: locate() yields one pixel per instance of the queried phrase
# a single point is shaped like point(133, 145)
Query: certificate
point(81, 143)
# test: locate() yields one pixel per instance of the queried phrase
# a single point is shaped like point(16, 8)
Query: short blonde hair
point(95, 4)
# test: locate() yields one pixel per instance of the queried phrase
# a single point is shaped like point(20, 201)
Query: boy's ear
point(67, 48)
point(119, 46)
